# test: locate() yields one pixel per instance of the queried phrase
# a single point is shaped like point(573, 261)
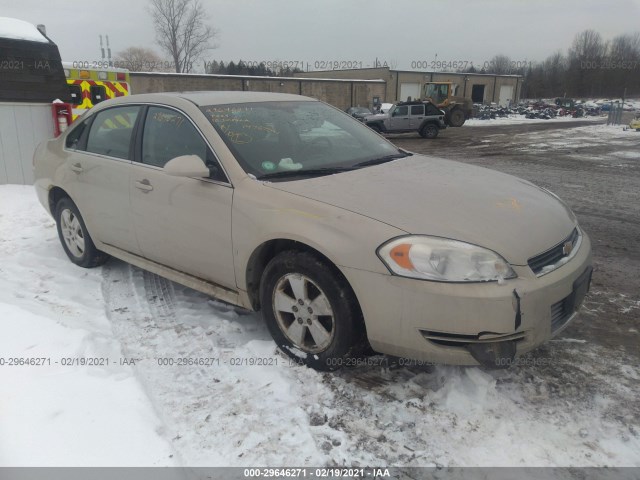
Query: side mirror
point(186, 166)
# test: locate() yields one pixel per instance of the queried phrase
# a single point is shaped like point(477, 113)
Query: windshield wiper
point(379, 160)
point(312, 172)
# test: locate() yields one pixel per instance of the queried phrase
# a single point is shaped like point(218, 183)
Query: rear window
point(111, 130)
point(76, 94)
point(98, 94)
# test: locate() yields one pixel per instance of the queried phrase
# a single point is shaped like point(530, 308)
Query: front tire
point(311, 312)
point(74, 236)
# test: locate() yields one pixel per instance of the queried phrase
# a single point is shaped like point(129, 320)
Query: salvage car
point(345, 243)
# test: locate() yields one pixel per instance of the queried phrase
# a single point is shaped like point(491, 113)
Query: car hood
point(433, 196)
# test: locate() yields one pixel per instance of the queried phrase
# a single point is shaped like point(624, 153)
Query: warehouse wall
point(395, 78)
point(341, 94)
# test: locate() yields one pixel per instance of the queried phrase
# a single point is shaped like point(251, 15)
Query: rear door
point(184, 223)
point(416, 116)
point(100, 152)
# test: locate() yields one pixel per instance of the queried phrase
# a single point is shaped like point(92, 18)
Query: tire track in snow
point(222, 414)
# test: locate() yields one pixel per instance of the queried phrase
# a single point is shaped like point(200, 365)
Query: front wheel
point(74, 236)
point(310, 311)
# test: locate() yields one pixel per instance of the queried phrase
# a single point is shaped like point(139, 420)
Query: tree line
point(591, 67)
point(250, 68)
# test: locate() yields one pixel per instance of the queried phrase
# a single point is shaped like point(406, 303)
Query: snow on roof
point(20, 30)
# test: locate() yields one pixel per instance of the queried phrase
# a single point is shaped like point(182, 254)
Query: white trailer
point(31, 78)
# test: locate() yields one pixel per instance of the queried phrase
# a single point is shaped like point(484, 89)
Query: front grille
point(554, 255)
point(559, 315)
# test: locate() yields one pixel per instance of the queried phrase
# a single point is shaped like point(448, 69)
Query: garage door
point(409, 90)
point(506, 95)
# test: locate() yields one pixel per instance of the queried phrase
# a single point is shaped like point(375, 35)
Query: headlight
point(443, 260)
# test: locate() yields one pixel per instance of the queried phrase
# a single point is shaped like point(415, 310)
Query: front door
point(399, 118)
point(184, 223)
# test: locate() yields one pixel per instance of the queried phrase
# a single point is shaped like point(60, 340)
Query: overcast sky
point(396, 31)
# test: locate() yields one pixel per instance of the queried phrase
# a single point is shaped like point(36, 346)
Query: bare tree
point(140, 59)
point(585, 60)
point(555, 67)
point(182, 31)
point(500, 65)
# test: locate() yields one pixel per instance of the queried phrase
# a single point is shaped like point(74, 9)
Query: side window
point(169, 134)
point(111, 130)
point(401, 111)
point(76, 94)
point(98, 94)
point(417, 110)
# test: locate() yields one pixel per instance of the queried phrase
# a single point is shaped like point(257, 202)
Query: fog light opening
point(494, 355)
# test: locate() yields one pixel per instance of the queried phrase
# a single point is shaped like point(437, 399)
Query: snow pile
point(20, 30)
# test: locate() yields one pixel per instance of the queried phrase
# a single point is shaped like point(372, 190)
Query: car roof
point(202, 98)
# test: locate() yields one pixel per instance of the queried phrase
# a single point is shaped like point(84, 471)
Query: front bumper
point(432, 322)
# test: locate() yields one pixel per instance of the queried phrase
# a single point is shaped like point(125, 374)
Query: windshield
point(273, 137)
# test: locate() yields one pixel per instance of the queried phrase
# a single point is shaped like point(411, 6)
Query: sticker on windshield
point(268, 166)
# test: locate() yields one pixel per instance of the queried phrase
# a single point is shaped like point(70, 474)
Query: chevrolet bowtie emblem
point(567, 248)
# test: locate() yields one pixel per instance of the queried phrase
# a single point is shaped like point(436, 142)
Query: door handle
point(76, 167)
point(144, 185)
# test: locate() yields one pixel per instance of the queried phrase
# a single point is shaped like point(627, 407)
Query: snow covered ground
point(570, 403)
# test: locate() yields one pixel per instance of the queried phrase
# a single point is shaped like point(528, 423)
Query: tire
point(293, 285)
point(375, 127)
point(75, 238)
point(456, 117)
point(429, 131)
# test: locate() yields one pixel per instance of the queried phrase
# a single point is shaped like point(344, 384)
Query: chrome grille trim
point(555, 254)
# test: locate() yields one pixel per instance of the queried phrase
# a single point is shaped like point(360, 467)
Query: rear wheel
point(310, 311)
point(74, 237)
point(456, 117)
point(429, 131)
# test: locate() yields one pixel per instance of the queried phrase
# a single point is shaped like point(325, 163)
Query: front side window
point(111, 131)
point(400, 111)
point(169, 134)
point(287, 138)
